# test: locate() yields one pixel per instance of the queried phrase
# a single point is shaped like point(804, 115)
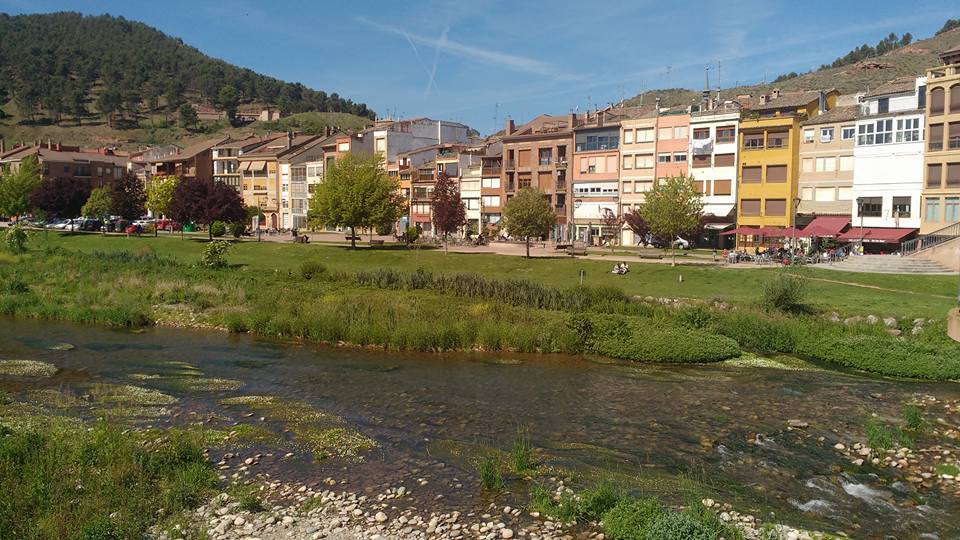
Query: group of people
point(620, 269)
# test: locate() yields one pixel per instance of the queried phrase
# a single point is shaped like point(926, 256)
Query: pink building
point(672, 143)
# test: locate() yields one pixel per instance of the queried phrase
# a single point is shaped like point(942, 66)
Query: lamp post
point(860, 211)
point(793, 245)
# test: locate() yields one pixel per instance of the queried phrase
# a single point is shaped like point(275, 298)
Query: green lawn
point(905, 295)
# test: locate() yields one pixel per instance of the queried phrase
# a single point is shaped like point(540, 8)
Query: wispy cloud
point(497, 58)
point(436, 58)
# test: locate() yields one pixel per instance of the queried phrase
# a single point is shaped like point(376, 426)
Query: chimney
point(289, 140)
point(509, 128)
point(775, 93)
point(571, 120)
point(763, 99)
point(600, 115)
point(658, 105)
point(439, 132)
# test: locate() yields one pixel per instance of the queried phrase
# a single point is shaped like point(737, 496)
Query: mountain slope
point(63, 64)
point(911, 60)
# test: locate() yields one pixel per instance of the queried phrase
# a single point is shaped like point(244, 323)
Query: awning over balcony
point(253, 165)
point(826, 226)
point(716, 226)
point(877, 234)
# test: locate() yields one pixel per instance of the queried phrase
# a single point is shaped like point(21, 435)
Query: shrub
point(237, 229)
point(311, 269)
point(597, 500)
point(491, 477)
point(214, 255)
point(631, 519)
point(664, 345)
point(885, 355)
point(884, 437)
point(218, 229)
point(15, 239)
point(678, 526)
point(913, 416)
point(784, 292)
point(413, 234)
point(521, 455)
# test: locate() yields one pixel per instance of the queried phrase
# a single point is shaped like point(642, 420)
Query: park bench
point(376, 242)
point(561, 247)
point(650, 255)
point(572, 251)
point(348, 238)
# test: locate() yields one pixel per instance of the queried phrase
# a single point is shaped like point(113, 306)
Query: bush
point(631, 519)
point(214, 255)
point(311, 269)
point(597, 500)
point(784, 292)
point(678, 526)
point(521, 455)
point(491, 477)
point(15, 239)
point(218, 229)
point(913, 416)
point(237, 229)
point(617, 338)
point(884, 437)
point(885, 355)
point(413, 234)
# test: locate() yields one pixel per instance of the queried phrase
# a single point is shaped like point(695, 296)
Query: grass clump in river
point(98, 483)
point(521, 454)
point(490, 471)
point(882, 436)
point(27, 368)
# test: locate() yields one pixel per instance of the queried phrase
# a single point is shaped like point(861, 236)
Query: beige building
point(941, 187)
point(638, 145)
point(826, 163)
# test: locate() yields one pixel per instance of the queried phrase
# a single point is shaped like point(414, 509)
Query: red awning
point(742, 230)
point(827, 226)
point(776, 232)
point(876, 234)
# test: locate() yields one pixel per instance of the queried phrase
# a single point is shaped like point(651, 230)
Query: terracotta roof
point(900, 85)
point(63, 156)
point(247, 141)
point(278, 146)
point(544, 124)
point(191, 151)
point(837, 114)
point(789, 100)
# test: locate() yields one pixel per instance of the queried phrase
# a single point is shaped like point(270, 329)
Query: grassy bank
point(431, 311)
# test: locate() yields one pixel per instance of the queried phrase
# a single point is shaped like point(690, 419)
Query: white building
point(713, 163)
point(888, 156)
point(294, 187)
point(470, 194)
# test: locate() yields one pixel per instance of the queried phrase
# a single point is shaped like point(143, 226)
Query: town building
point(713, 165)
point(492, 195)
point(826, 164)
point(638, 151)
point(941, 188)
point(294, 186)
point(596, 175)
point(673, 142)
point(226, 162)
point(98, 167)
point(193, 162)
point(769, 158)
point(888, 161)
point(535, 155)
point(266, 184)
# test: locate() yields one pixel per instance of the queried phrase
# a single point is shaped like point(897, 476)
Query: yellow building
point(768, 171)
point(941, 187)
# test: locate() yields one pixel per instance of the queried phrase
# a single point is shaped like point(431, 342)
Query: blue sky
point(477, 60)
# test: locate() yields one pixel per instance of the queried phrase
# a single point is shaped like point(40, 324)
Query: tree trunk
point(209, 232)
point(353, 237)
point(446, 243)
point(528, 246)
point(673, 254)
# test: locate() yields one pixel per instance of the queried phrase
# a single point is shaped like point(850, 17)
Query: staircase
point(888, 264)
point(930, 240)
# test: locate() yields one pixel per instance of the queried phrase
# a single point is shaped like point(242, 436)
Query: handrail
point(930, 240)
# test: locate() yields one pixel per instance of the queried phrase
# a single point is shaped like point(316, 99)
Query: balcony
point(490, 171)
point(511, 186)
point(545, 162)
point(953, 143)
point(560, 209)
point(560, 163)
point(510, 165)
point(935, 146)
point(561, 185)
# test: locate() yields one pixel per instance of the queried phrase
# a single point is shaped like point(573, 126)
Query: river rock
point(800, 424)
point(506, 533)
point(380, 517)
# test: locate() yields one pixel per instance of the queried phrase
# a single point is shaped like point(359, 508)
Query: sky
point(480, 61)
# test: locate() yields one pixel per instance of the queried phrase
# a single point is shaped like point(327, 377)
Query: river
point(659, 429)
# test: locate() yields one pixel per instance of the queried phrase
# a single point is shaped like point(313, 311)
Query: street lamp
point(860, 211)
point(796, 210)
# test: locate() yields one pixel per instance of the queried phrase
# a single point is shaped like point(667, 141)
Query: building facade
point(266, 184)
point(941, 186)
point(97, 167)
point(226, 163)
point(193, 162)
point(596, 176)
point(888, 157)
point(638, 155)
point(826, 163)
point(673, 142)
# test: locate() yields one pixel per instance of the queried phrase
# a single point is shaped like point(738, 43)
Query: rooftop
point(786, 100)
point(191, 151)
point(72, 155)
point(900, 85)
point(844, 113)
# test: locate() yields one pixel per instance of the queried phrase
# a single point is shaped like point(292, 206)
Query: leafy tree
point(672, 207)
point(635, 221)
point(188, 116)
point(128, 197)
point(60, 197)
point(449, 212)
point(529, 215)
point(108, 103)
point(227, 99)
point(99, 203)
point(356, 192)
point(159, 194)
point(948, 26)
point(16, 187)
point(203, 202)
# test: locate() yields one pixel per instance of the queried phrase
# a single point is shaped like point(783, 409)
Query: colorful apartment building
point(294, 186)
point(673, 142)
point(262, 175)
point(638, 150)
point(492, 196)
point(941, 187)
point(769, 157)
point(226, 163)
point(713, 165)
point(596, 175)
point(536, 155)
point(98, 167)
point(193, 162)
point(826, 164)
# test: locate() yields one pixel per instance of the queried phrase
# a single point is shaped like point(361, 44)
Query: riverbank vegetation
point(435, 311)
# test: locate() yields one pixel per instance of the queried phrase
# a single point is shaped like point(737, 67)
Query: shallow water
point(660, 429)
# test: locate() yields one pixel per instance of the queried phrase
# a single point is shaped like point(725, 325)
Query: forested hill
point(59, 64)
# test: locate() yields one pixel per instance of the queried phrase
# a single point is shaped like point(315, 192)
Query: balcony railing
point(748, 147)
point(509, 164)
point(560, 163)
point(953, 143)
point(561, 209)
point(935, 146)
point(490, 171)
point(561, 184)
point(545, 162)
point(511, 186)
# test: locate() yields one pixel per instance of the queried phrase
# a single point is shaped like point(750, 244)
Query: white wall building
point(470, 194)
point(888, 156)
point(713, 158)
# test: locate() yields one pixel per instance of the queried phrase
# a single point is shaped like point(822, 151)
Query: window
point(751, 175)
point(753, 141)
point(381, 146)
point(826, 164)
point(628, 136)
point(644, 161)
point(724, 160)
point(953, 174)
point(523, 158)
point(826, 134)
point(490, 183)
point(726, 134)
point(777, 139)
point(680, 132)
point(935, 137)
point(776, 174)
point(848, 132)
point(700, 161)
point(951, 209)
point(932, 209)
point(806, 165)
point(908, 130)
point(936, 101)
point(700, 186)
point(806, 193)
point(721, 187)
point(627, 162)
point(884, 132)
point(598, 142)
point(825, 194)
point(883, 105)
point(680, 157)
point(750, 207)
point(700, 134)
point(343, 147)
point(644, 135)
point(808, 135)
point(955, 99)
point(864, 134)
point(627, 187)
point(845, 194)
point(870, 206)
point(953, 135)
point(901, 207)
point(846, 163)
point(592, 165)
point(663, 157)
point(546, 156)
point(665, 133)
point(934, 175)
point(491, 200)
point(775, 207)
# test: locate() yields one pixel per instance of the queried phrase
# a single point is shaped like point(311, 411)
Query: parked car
point(89, 224)
point(168, 225)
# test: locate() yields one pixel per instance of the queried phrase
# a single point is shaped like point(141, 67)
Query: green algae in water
point(789, 363)
point(62, 347)
point(206, 384)
point(334, 442)
point(248, 400)
point(33, 417)
point(130, 395)
point(143, 376)
point(55, 398)
point(27, 368)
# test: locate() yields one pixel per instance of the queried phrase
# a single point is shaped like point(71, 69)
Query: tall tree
point(203, 202)
point(227, 99)
point(127, 196)
point(529, 215)
point(188, 116)
point(672, 207)
point(98, 204)
point(16, 187)
point(60, 197)
point(160, 193)
point(356, 192)
point(449, 212)
point(109, 102)
point(635, 221)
